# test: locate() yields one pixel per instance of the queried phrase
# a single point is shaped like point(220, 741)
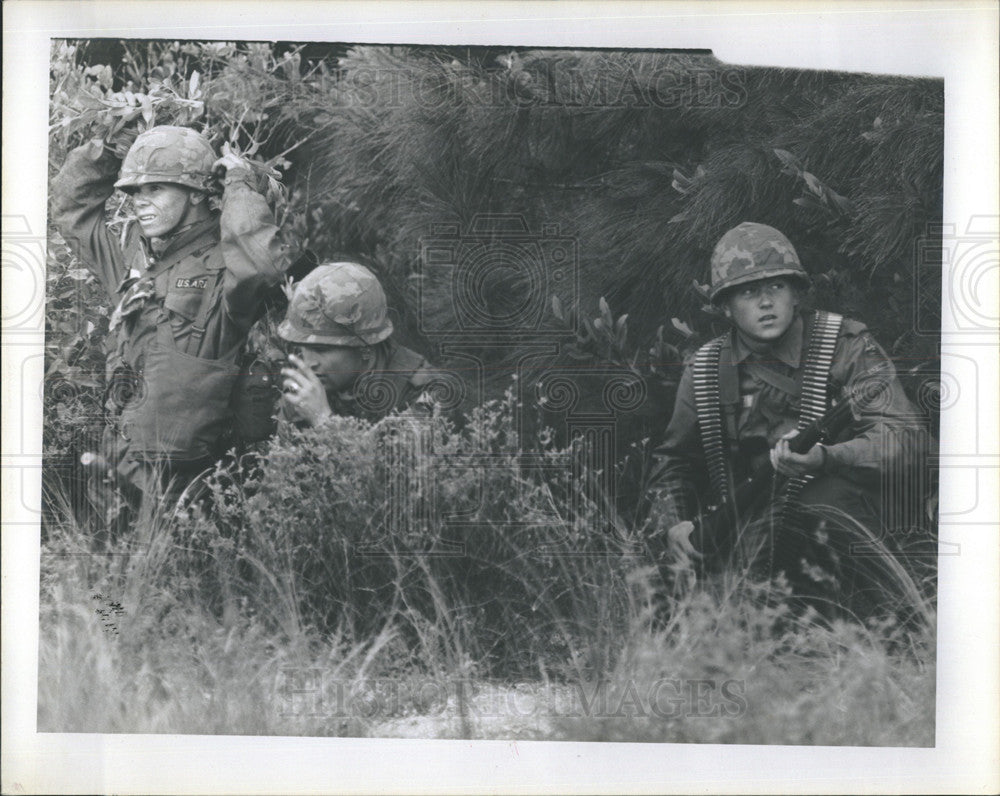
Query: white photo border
point(956, 42)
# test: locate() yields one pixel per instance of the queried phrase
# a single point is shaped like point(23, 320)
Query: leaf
point(78, 274)
point(87, 101)
point(700, 289)
point(808, 203)
point(193, 92)
point(789, 160)
point(814, 184)
point(843, 204)
point(681, 327)
point(147, 109)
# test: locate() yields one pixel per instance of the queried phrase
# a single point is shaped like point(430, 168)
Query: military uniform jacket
point(183, 305)
point(766, 411)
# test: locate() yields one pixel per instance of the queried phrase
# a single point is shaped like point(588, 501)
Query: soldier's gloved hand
point(786, 462)
point(304, 394)
point(121, 141)
point(679, 547)
point(229, 160)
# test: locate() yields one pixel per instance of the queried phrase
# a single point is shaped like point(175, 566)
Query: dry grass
point(294, 609)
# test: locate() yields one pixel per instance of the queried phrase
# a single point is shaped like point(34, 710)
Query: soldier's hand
point(679, 547)
point(121, 141)
point(786, 462)
point(304, 393)
point(229, 160)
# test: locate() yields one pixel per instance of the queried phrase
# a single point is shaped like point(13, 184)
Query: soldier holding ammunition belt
point(745, 396)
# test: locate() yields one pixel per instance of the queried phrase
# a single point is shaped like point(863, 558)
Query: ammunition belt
point(705, 376)
point(815, 379)
point(813, 405)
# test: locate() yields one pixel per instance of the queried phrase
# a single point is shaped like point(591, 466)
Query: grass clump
point(507, 605)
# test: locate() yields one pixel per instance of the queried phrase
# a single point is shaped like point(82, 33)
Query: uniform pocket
point(186, 303)
point(183, 409)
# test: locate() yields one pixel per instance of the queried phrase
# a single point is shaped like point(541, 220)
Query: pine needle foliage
point(641, 158)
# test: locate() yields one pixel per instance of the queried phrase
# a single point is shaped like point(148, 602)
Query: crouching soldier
point(744, 398)
point(187, 283)
point(345, 361)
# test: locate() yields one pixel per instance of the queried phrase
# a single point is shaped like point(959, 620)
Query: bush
point(456, 538)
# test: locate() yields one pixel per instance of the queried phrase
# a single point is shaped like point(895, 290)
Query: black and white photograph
point(500, 389)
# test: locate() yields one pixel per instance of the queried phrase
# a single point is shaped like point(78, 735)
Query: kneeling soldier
point(743, 399)
point(346, 361)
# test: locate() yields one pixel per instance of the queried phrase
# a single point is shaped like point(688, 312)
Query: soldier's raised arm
point(79, 193)
point(255, 257)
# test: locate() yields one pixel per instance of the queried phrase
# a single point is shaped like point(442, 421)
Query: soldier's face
point(763, 310)
point(337, 367)
point(163, 207)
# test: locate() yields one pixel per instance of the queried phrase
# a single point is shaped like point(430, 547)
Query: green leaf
point(792, 163)
point(814, 184)
point(147, 109)
point(681, 327)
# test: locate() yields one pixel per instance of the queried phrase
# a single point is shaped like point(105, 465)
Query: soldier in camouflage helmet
point(751, 252)
point(346, 361)
point(749, 383)
point(186, 283)
point(174, 155)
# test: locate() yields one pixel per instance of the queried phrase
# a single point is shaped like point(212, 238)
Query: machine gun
point(715, 532)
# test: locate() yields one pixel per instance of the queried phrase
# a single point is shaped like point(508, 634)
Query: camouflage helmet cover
point(176, 155)
point(337, 304)
point(751, 252)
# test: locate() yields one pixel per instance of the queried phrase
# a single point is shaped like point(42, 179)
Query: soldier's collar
point(380, 363)
point(163, 247)
point(787, 349)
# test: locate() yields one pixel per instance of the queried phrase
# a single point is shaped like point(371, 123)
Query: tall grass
point(351, 587)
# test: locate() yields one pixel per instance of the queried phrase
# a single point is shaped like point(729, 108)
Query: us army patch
point(196, 283)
